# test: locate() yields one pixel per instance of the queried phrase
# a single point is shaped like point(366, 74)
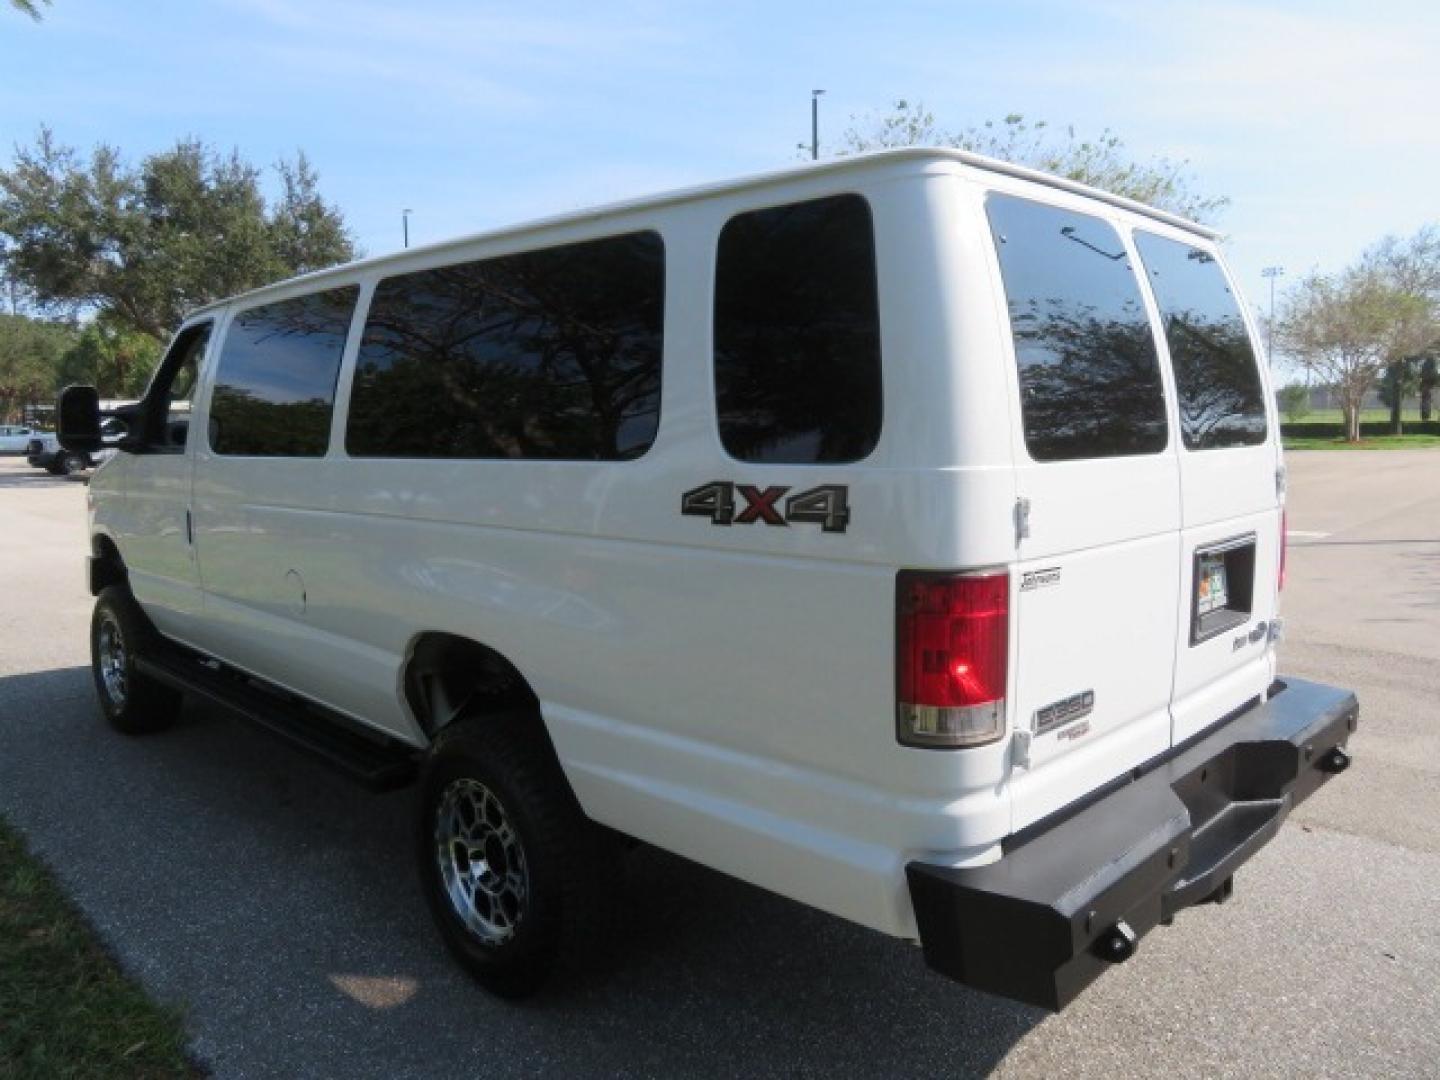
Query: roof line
point(698, 191)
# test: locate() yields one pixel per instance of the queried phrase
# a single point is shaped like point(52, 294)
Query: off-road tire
point(119, 633)
point(571, 867)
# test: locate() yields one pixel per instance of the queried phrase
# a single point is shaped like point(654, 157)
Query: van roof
point(704, 191)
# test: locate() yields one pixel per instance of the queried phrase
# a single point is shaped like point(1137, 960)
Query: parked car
point(45, 452)
point(902, 534)
point(14, 438)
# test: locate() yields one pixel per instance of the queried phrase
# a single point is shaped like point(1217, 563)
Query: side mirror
point(79, 419)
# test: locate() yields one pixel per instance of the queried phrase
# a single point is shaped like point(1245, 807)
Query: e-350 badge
point(827, 505)
point(1062, 712)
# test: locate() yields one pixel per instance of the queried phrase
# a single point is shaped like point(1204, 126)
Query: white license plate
point(1212, 593)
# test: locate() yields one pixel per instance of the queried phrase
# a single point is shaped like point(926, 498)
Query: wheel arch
point(446, 675)
point(107, 566)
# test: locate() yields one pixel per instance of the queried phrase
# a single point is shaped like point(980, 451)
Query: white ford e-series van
point(902, 534)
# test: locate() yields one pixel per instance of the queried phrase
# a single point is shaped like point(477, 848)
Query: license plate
point(1212, 592)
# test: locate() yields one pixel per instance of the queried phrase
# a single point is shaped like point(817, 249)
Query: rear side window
point(1217, 379)
point(275, 382)
point(1089, 371)
point(797, 333)
point(551, 354)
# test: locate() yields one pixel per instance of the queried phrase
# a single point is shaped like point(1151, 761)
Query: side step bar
point(378, 763)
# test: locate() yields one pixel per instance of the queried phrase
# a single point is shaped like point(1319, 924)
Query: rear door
point(1230, 539)
point(1098, 525)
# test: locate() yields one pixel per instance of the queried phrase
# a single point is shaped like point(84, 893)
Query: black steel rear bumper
point(1075, 896)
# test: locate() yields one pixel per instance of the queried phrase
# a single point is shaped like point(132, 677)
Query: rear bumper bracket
point(1042, 923)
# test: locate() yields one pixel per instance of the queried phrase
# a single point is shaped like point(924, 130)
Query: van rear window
point(1217, 379)
point(275, 383)
point(551, 354)
point(797, 333)
point(1089, 370)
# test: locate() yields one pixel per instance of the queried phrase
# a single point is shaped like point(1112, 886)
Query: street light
point(405, 224)
point(815, 124)
point(1271, 272)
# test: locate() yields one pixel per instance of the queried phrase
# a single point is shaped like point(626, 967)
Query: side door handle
point(189, 528)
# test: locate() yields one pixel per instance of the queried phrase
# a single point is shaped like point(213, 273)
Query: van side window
point(275, 383)
point(552, 354)
point(165, 423)
point(1216, 376)
point(797, 333)
point(1089, 370)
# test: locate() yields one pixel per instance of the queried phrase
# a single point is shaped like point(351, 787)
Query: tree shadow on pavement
point(277, 904)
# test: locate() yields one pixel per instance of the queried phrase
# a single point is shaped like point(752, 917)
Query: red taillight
point(1284, 545)
point(953, 646)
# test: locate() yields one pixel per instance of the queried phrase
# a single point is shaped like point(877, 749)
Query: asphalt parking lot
point(276, 904)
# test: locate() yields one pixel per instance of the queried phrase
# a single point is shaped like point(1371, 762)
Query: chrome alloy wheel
point(110, 656)
point(481, 861)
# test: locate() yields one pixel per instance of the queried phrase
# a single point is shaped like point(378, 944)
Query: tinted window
point(1216, 377)
point(172, 390)
point(275, 384)
point(547, 354)
point(797, 333)
point(1089, 372)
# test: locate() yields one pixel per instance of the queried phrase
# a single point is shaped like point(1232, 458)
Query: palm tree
point(29, 7)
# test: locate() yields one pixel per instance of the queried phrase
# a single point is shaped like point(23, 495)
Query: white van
point(902, 534)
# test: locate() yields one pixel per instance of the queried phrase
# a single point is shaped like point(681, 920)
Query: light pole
point(405, 225)
point(815, 124)
point(1271, 272)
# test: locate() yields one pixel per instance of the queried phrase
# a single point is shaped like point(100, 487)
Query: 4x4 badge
point(827, 505)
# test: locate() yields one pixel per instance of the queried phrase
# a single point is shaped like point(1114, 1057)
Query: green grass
point(1335, 416)
point(1367, 416)
point(65, 1008)
point(1374, 442)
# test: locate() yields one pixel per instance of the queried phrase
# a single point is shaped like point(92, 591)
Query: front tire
point(72, 463)
point(520, 883)
point(132, 702)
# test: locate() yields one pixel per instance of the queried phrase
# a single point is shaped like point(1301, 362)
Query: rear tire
point(132, 702)
point(520, 883)
point(71, 463)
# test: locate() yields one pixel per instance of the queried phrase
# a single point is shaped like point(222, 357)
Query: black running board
point(378, 763)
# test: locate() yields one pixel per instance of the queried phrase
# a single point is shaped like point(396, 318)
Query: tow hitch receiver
point(1075, 896)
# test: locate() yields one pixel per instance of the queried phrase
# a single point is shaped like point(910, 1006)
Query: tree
point(140, 246)
point(30, 352)
point(29, 7)
point(1429, 379)
point(1400, 380)
point(1346, 328)
point(1294, 401)
point(114, 359)
point(1412, 266)
point(1101, 162)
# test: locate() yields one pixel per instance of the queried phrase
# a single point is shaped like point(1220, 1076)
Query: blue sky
point(1318, 119)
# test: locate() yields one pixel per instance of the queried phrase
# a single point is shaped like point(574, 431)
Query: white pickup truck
point(903, 534)
point(45, 452)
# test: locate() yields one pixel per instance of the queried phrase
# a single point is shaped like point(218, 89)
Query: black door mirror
point(79, 419)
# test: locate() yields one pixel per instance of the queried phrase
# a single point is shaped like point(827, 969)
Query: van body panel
point(727, 690)
point(1094, 588)
point(151, 518)
point(1228, 494)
